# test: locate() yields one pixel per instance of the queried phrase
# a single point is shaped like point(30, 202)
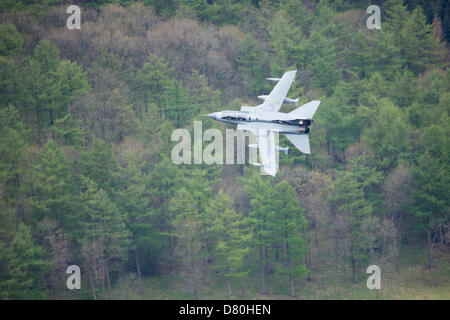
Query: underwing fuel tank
point(277, 148)
point(286, 100)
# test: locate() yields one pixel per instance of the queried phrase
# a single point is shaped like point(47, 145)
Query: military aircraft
point(264, 119)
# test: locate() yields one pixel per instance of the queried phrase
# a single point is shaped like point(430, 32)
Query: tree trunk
point(94, 290)
point(317, 243)
point(38, 122)
point(261, 266)
point(266, 258)
point(291, 284)
point(338, 279)
point(355, 279)
point(353, 263)
point(430, 250)
point(139, 273)
point(308, 257)
point(51, 124)
point(108, 281)
point(103, 284)
point(308, 268)
point(228, 288)
point(395, 255)
point(170, 250)
point(20, 211)
point(289, 261)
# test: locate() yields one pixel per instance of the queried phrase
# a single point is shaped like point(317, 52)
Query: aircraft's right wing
point(275, 99)
point(307, 110)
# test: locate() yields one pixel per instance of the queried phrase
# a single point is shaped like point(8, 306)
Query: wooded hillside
point(86, 176)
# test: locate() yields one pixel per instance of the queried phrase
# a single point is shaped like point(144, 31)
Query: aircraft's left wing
point(275, 99)
point(266, 147)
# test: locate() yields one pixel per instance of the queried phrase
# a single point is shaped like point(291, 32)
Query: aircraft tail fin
point(300, 141)
point(307, 110)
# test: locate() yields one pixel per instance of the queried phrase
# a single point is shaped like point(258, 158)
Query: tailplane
point(300, 141)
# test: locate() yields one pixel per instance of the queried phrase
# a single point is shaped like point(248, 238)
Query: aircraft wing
point(266, 146)
point(275, 99)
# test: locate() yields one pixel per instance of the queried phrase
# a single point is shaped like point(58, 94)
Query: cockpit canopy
point(235, 115)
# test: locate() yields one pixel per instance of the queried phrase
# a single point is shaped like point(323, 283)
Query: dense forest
point(86, 176)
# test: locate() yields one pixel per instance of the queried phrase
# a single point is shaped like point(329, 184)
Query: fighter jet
point(265, 119)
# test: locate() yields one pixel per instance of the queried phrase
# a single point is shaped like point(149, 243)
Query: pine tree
point(387, 138)
point(104, 237)
point(50, 188)
point(261, 219)
point(22, 267)
point(202, 97)
point(431, 173)
point(98, 163)
point(178, 108)
point(151, 83)
point(133, 198)
point(354, 205)
point(50, 84)
point(290, 232)
point(252, 65)
point(165, 180)
point(414, 36)
point(186, 229)
point(232, 237)
point(283, 38)
point(11, 42)
point(13, 155)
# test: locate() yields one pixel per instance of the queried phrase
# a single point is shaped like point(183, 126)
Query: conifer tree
point(290, 232)
point(252, 65)
point(22, 267)
point(232, 237)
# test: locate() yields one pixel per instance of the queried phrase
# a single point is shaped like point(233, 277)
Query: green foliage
point(99, 165)
point(386, 136)
point(355, 204)
point(432, 181)
point(220, 11)
point(11, 42)
point(86, 119)
point(414, 36)
point(22, 268)
point(231, 235)
point(252, 65)
point(50, 186)
point(318, 55)
point(283, 39)
point(103, 225)
point(290, 229)
point(178, 109)
point(151, 84)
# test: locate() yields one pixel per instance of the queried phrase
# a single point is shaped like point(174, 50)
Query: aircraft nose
point(213, 115)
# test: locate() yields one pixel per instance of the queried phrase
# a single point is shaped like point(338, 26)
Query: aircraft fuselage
point(281, 122)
